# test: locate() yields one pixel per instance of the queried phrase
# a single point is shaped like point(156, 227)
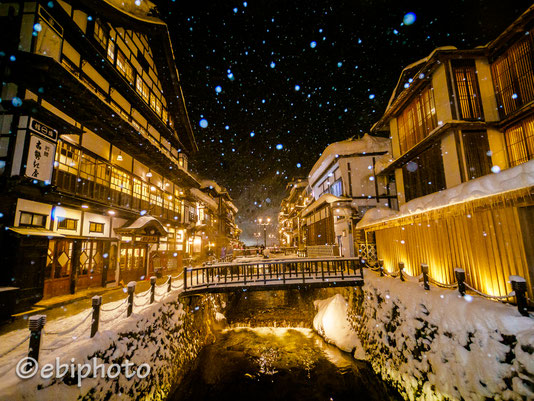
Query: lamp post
point(264, 223)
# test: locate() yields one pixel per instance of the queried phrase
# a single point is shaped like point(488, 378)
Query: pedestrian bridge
point(272, 274)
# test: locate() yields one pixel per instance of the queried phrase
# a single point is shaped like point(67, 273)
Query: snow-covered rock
point(332, 324)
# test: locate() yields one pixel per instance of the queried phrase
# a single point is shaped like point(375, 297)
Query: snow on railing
point(62, 336)
point(519, 286)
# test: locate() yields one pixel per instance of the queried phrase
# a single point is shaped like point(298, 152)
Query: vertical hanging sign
point(40, 159)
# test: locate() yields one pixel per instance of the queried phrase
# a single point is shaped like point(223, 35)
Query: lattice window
point(417, 120)
point(520, 142)
point(513, 76)
point(468, 93)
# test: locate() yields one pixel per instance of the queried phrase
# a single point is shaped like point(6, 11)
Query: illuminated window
point(417, 120)
point(142, 88)
point(520, 142)
point(66, 166)
point(96, 227)
point(124, 67)
point(32, 219)
point(155, 104)
point(111, 51)
point(121, 187)
point(468, 93)
point(67, 224)
point(513, 76)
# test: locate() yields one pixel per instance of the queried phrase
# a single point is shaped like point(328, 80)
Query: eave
point(435, 60)
point(434, 136)
point(87, 108)
point(161, 47)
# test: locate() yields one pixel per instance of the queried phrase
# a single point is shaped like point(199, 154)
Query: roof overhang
point(144, 225)
point(35, 231)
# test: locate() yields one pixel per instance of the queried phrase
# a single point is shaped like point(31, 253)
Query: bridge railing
point(284, 271)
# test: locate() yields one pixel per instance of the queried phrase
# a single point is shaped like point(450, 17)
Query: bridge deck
point(273, 275)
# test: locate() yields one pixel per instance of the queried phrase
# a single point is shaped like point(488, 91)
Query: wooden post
point(131, 291)
point(185, 278)
point(460, 278)
point(169, 284)
point(519, 285)
point(362, 263)
point(284, 273)
point(381, 267)
point(96, 302)
point(152, 289)
point(424, 269)
point(35, 324)
point(401, 268)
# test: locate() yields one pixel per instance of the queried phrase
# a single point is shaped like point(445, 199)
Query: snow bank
point(166, 335)
point(437, 345)
point(518, 177)
point(332, 324)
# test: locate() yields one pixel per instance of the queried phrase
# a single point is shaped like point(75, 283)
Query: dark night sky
point(240, 64)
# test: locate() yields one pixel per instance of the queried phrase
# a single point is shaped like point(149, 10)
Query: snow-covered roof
point(367, 144)
point(232, 206)
point(212, 185)
point(201, 196)
point(325, 198)
point(141, 222)
point(512, 179)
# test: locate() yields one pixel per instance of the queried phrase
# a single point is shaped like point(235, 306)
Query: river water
point(256, 364)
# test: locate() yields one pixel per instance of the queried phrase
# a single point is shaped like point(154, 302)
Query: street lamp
point(265, 223)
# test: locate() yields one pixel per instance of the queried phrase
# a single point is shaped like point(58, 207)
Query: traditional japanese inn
point(94, 148)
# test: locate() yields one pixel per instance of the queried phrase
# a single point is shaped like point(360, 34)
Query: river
point(256, 364)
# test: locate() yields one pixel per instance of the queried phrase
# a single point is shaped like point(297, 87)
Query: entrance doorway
point(132, 262)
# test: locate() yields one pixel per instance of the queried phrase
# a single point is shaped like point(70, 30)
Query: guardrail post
point(96, 302)
point(185, 278)
point(460, 278)
point(35, 324)
point(519, 285)
point(381, 267)
point(152, 288)
point(401, 268)
point(169, 284)
point(131, 290)
point(424, 269)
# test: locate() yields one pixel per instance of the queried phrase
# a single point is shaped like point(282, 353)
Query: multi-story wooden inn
point(462, 128)
point(94, 146)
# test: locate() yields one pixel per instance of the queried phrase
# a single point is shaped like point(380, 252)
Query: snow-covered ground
point(161, 334)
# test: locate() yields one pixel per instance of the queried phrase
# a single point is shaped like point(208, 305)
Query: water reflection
point(278, 364)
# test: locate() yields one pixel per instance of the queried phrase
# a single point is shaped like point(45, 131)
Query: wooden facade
point(481, 122)
point(94, 135)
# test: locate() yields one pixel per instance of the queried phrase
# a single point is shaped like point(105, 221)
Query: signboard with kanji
point(40, 160)
point(43, 129)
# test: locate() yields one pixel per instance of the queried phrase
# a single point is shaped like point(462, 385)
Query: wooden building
point(344, 185)
point(94, 147)
point(290, 216)
point(462, 126)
